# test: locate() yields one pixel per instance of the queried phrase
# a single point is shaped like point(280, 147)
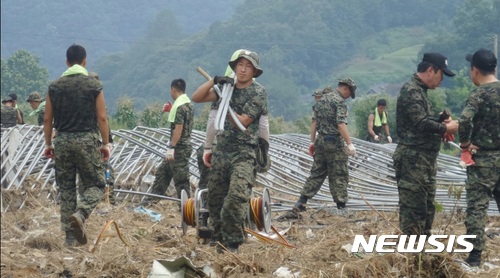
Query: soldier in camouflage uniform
point(9, 113)
point(420, 133)
point(480, 131)
point(234, 162)
point(20, 116)
point(38, 105)
point(328, 148)
point(204, 170)
point(75, 107)
point(176, 163)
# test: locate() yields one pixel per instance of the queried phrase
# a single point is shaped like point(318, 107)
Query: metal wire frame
point(137, 153)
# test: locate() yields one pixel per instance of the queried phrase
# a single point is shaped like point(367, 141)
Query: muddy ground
point(32, 245)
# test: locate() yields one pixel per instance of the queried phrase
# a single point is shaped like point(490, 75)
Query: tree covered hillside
point(47, 28)
point(303, 46)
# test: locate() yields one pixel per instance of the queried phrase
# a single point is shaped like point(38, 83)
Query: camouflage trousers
point(178, 169)
point(110, 183)
point(482, 183)
point(330, 159)
point(202, 168)
point(230, 182)
point(78, 153)
point(416, 177)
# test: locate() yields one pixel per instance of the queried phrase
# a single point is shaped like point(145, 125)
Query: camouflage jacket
point(9, 116)
point(329, 111)
point(73, 100)
point(40, 114)
point(416, 121)
point(184, 117)
point(251, 101)
point(480, 122)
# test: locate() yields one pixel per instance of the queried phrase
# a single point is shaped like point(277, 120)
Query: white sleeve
point(209, 139)
point(264, 127)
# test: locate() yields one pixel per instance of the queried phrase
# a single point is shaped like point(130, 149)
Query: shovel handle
point(204, 73)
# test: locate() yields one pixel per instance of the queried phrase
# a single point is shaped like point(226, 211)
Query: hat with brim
point(317, 93)
point(439, 61)
point(483, 59)
point(7, 99)
point(352, 85)
point(250, 56)
point(34, 97)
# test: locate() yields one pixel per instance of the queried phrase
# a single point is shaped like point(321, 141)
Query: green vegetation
point(22, 74)
point(303, 46)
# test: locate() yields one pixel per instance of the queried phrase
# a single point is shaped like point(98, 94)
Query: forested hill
point(139, 47)
point(47, 28)
point(303, 46)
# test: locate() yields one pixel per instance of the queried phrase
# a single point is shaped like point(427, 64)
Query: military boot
point(70, 239)
point(299, 206)
point(342, 209)
point(474, 258)
point(77, 220)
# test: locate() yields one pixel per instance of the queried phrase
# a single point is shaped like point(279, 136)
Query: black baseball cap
point(439, 61)
point(483, 59)
point(13, 96)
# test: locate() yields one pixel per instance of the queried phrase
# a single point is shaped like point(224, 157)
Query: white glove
point(351, 150)
point(376, 138)
point(207, 157)
point(170, 154)
point(389, 139)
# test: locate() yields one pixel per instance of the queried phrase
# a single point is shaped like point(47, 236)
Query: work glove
point(105, 151)
point(351, 150)
point(389, 139)
point(167, 107)
point(312, 149)
point(447, 137)
point(170, 154)
point(49, 151)
point(466, 159)
point(207, 157)
point(221, 80)
point(376, 138)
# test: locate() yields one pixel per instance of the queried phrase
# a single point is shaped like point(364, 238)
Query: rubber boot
point(77, 220)
point(474, 258)
point(299, 206)
point(70, 239)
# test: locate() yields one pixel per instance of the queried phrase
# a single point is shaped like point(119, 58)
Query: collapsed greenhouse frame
point(136, 154)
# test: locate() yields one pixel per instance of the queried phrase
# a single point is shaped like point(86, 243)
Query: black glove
point(445, 115)
point(221, 80)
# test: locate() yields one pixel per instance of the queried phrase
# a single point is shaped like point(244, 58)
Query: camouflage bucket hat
point(317, 93)
point(250, 56)
point(6, 99)
point(35, 96)
point(349, 82)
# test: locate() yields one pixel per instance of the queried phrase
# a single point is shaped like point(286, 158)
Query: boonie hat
point(349, 82)
point(483, 59)
point(250, 56)
point(439, 61)
point(35, 96)
point(7, 98)
point(317, 93)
